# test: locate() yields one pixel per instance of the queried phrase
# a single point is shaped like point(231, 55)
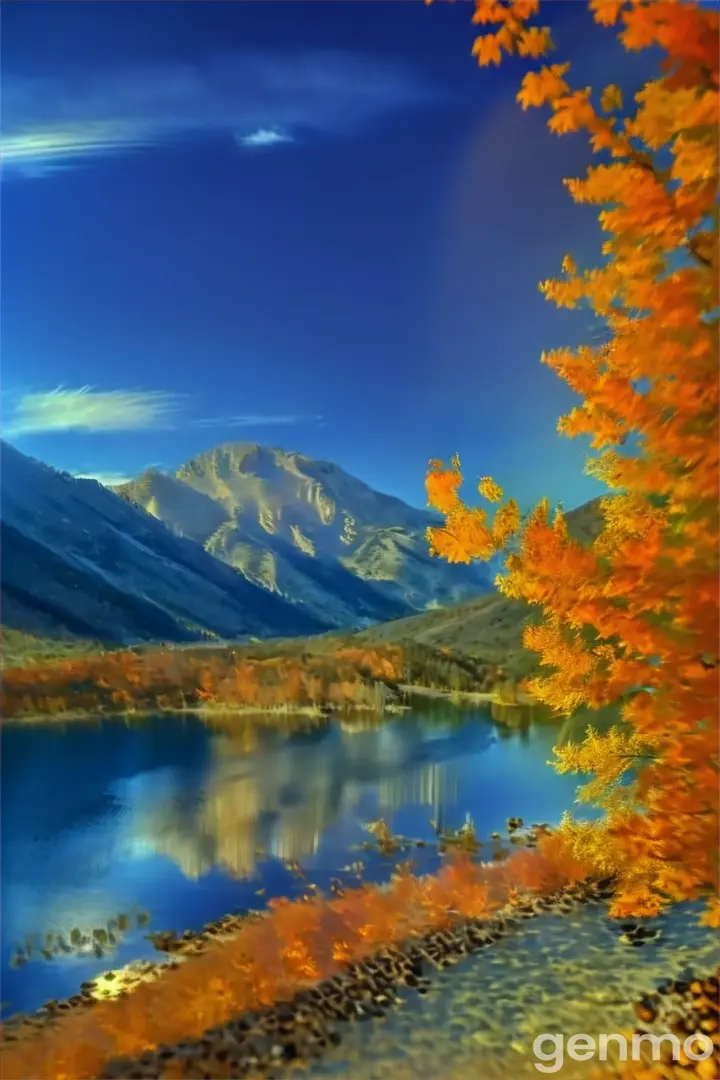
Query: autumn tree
point(632, 618)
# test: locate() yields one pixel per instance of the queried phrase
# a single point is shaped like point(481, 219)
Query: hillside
point(307, 531)
point(79, 561)
point(489, 627)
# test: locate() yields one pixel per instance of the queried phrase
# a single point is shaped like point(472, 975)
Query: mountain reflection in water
point(280, 799)
point(189, 820)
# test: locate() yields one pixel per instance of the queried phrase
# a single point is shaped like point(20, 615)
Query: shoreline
point(405, 959)
point(312, 711)
point(74, 715)
point(479, 697)
point(302, 1027)
point(177, 947)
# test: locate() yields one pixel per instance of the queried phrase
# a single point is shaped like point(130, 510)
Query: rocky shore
point(115, 983)
point(301, 1030)
point(180, 946)
point(306, 1028)
point(305, 1032)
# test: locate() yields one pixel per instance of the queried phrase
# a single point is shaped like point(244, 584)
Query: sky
point(313, 225)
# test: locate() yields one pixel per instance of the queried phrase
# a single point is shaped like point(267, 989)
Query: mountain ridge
point(80, 560)
point(307, 530)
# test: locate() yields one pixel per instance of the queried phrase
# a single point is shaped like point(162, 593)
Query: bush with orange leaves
point(249, 678)
point(125, 680)
point(633, 618)
point(272, 957)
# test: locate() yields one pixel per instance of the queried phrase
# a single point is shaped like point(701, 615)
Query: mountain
point(491, 626)
point(307, 531)
point(78, 560)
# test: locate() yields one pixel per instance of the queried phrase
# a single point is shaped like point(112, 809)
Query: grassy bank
point(209, 712)
point(470, 697)
point(20, 649)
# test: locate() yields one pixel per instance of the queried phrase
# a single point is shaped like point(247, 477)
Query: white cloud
point(264, 137)
point(107, 479)
point(86, 409)
point(254, 420)
point(51, 122)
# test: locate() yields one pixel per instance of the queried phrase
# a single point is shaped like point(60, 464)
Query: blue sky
point(311, 225)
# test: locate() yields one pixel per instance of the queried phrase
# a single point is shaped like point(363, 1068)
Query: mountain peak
point(308, 530)
point(244, 455)
point(76, 556)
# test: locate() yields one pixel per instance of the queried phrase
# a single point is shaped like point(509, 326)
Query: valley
point(244, 542)
point(359, 552)
point(101, 564)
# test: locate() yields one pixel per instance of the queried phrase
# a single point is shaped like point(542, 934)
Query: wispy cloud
point(253, 99)
point(107, 479)
point(250, 420)
point(264, 137)
point(87, 409)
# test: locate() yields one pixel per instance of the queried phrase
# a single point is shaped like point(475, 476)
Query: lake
point(188, 820)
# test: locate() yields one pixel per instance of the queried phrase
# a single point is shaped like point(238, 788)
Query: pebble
point(306, 1027)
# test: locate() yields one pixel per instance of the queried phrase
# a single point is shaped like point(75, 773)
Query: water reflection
point(279, 799)
point(191, 820)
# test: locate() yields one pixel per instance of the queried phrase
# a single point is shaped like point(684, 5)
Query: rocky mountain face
point(308, 532)
point(77, 560)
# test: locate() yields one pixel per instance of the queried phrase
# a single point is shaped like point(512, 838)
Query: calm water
point(188, 821)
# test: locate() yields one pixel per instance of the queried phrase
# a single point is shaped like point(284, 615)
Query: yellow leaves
point(687, 32)
point(488, 49)
point(606, 12)
point(705, 1069)
point(539, 88)
point(599, 287)
point(638, 903)
point(603, 135)
point(711, 916)
point(505, 524)
point(677, 882)
point(489, 11)
point(641, 28)
point(463, 538)
point(490, 490)
point(612, 98)
point(577, 367)
point(664, 113)
point(492, 11)
point(564, 294)
point(608, 756)
point(535, 41)
point(699, 117)
point(524, 9)
point(694, 160)
point(629, 617)
point(465, 535)
point(572, 112)
point(441, 485)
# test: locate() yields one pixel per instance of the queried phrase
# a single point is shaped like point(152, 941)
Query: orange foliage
point(633, 618)
point(273, 957)
point(178, 679)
